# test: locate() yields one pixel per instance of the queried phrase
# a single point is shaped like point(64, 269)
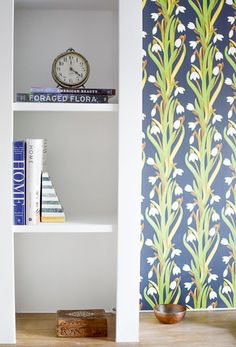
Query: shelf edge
point(63, 228)
point(60, 107)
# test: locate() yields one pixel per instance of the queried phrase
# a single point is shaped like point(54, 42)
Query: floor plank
point(198, 329)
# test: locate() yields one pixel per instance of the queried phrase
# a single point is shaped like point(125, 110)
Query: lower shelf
point(68, 227)
point(37, 329)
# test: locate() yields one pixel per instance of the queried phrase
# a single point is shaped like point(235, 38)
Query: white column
point(7, 302)
point(129, 190)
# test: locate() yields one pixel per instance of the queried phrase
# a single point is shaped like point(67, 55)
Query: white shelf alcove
point(94, 160)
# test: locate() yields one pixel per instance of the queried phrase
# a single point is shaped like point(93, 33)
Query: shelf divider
point(64, 228)
point(64, 107)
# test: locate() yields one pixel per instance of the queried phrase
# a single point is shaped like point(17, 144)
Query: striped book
point(51, 208)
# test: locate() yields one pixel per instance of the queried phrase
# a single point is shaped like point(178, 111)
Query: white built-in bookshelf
point(94, 162)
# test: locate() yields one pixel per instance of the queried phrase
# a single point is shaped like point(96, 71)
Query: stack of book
point(34, 197)
point(81, 95)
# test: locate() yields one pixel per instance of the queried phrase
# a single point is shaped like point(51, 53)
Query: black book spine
point(94, 91)
point(61, 98)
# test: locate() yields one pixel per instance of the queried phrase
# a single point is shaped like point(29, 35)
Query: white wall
point(58, 271)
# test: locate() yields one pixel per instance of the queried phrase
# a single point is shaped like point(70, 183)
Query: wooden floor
point(198, 329)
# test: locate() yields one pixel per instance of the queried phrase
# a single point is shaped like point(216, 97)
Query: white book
point(35, 158)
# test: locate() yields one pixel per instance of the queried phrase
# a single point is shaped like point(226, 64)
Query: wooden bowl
point(169, 313)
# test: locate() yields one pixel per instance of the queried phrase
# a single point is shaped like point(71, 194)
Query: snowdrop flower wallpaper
point(188, 239)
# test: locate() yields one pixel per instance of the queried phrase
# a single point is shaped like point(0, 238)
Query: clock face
point(70, 69)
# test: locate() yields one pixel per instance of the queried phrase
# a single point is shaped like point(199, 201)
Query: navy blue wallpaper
point(188, 241)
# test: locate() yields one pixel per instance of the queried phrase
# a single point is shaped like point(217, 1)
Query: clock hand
point(71, 69)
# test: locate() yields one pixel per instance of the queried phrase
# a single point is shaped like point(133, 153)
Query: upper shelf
point(83, 5)
point(30, 106)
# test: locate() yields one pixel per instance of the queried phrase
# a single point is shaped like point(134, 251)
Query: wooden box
point(81, 323)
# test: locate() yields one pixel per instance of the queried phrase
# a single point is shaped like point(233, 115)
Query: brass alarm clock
point(70, 69)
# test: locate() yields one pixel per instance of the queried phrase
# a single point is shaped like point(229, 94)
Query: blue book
point(19, 182)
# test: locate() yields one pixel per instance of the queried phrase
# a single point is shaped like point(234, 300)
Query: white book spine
point(34, 167)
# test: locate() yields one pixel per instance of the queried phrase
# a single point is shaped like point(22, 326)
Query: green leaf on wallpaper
point(147, 298)
point(199, 28)
point(194, 88)
point(228, 302)
point(176, 301)
point(211, 7)
point(154, 284)
point(228, 139)
point(176, 226)
point(232, 241)
point(194, 266)
point(234, 79)
point(212, 253)
point(150, 221)
point(216, 171)
point(217, 12)
point(198, 12)
point(171, 43)
point(230, 223)
point(160, 72)
point(233, 161)
point(211, 161)
point(210, 87)
point(209, 137)
point(165, 276)
point(189, 248)
point(169, 114)
point(230, 60)
point(208, 244)
point(171, 22)
point(193, 170)
point(217, 91)
point(176, 146)
point(204, 297)
point(179, 63)
point(197, 190)
point(158, 64)
point(197, 107)
point(205, 9)
point(156, 145)
point(144, 79)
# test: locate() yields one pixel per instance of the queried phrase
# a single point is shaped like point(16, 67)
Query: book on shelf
point(34, 196)
point(19, 182)
point(51, 208)
point(62, 98)
point(35, 156)
point(91, 91)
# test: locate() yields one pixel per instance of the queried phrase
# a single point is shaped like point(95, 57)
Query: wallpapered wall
point(188, 248)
